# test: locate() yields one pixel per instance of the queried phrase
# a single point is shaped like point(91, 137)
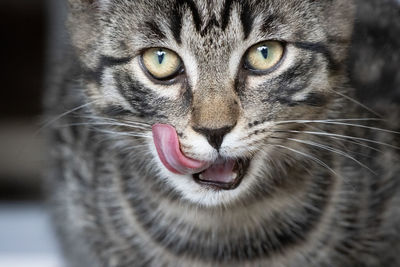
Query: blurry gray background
point(22, 31)
point(26, 237)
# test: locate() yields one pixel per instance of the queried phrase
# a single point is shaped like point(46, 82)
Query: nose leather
point(215, 137)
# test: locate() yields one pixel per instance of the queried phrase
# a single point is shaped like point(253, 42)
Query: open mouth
point(223, 174)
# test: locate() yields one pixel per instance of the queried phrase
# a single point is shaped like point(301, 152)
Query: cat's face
point(223, 74)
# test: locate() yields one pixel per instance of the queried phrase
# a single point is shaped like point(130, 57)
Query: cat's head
point(227, 76)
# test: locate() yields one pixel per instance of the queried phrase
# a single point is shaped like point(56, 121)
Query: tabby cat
point(219, 133)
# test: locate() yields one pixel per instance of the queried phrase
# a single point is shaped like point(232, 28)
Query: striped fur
point(322, 188)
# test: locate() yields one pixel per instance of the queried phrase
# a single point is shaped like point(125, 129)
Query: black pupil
point(264, 51)
point(161, 56)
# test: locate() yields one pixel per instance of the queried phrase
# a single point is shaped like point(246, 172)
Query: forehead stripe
point(247, 19)
point(177, 14)
point(246, 15)
point(152, 29)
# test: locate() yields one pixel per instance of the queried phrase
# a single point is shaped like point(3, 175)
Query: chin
point(205, 194)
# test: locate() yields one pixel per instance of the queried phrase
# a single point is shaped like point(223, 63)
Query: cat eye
point(161, 63)
point(264, 56)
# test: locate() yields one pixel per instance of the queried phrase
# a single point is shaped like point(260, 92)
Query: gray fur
point(308, 199)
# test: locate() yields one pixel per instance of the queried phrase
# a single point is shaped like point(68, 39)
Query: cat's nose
point(214, 136)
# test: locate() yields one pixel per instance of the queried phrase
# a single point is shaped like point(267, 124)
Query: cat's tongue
point(167, 145)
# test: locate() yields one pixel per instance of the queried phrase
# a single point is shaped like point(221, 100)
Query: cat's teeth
point(234, 176)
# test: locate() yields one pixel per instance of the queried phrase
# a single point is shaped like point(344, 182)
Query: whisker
point(332, 137)
point(340, 135)
point(328, 148)
point(363, 126)
point(320, 162)
point(348, 141)
point(129, 148)
point(138, 123)
point(345, 124)
point(357, 143)
point(53, 120)
point(50, 122)
point(357, 102)
point(131, 134)
point(328, 120)
point(103, 124)
point(114, 120)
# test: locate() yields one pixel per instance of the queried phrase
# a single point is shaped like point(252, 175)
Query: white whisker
point(357, 143)
point(327, 120)
point(340, 135)
point(128, 122)
point(53, 120)
point(131, 134)
point(320, 162)
point(334, 150)
point(357, 102)
point(348, 141)
point(342, 123)
point(103, 124)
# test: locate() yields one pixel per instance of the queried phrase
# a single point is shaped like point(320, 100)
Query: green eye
point(264, 56)
point(161, 63)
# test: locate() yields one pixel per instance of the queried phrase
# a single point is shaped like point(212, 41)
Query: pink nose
point(167, 145)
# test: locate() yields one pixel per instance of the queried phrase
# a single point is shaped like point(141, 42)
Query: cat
point(219, 133)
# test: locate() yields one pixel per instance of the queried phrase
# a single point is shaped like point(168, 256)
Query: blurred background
point(26, 237)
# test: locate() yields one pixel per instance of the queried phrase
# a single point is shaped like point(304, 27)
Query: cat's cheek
point(110, 93)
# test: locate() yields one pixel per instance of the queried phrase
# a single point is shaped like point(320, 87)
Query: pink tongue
point(167, 145)
point(221, 172)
